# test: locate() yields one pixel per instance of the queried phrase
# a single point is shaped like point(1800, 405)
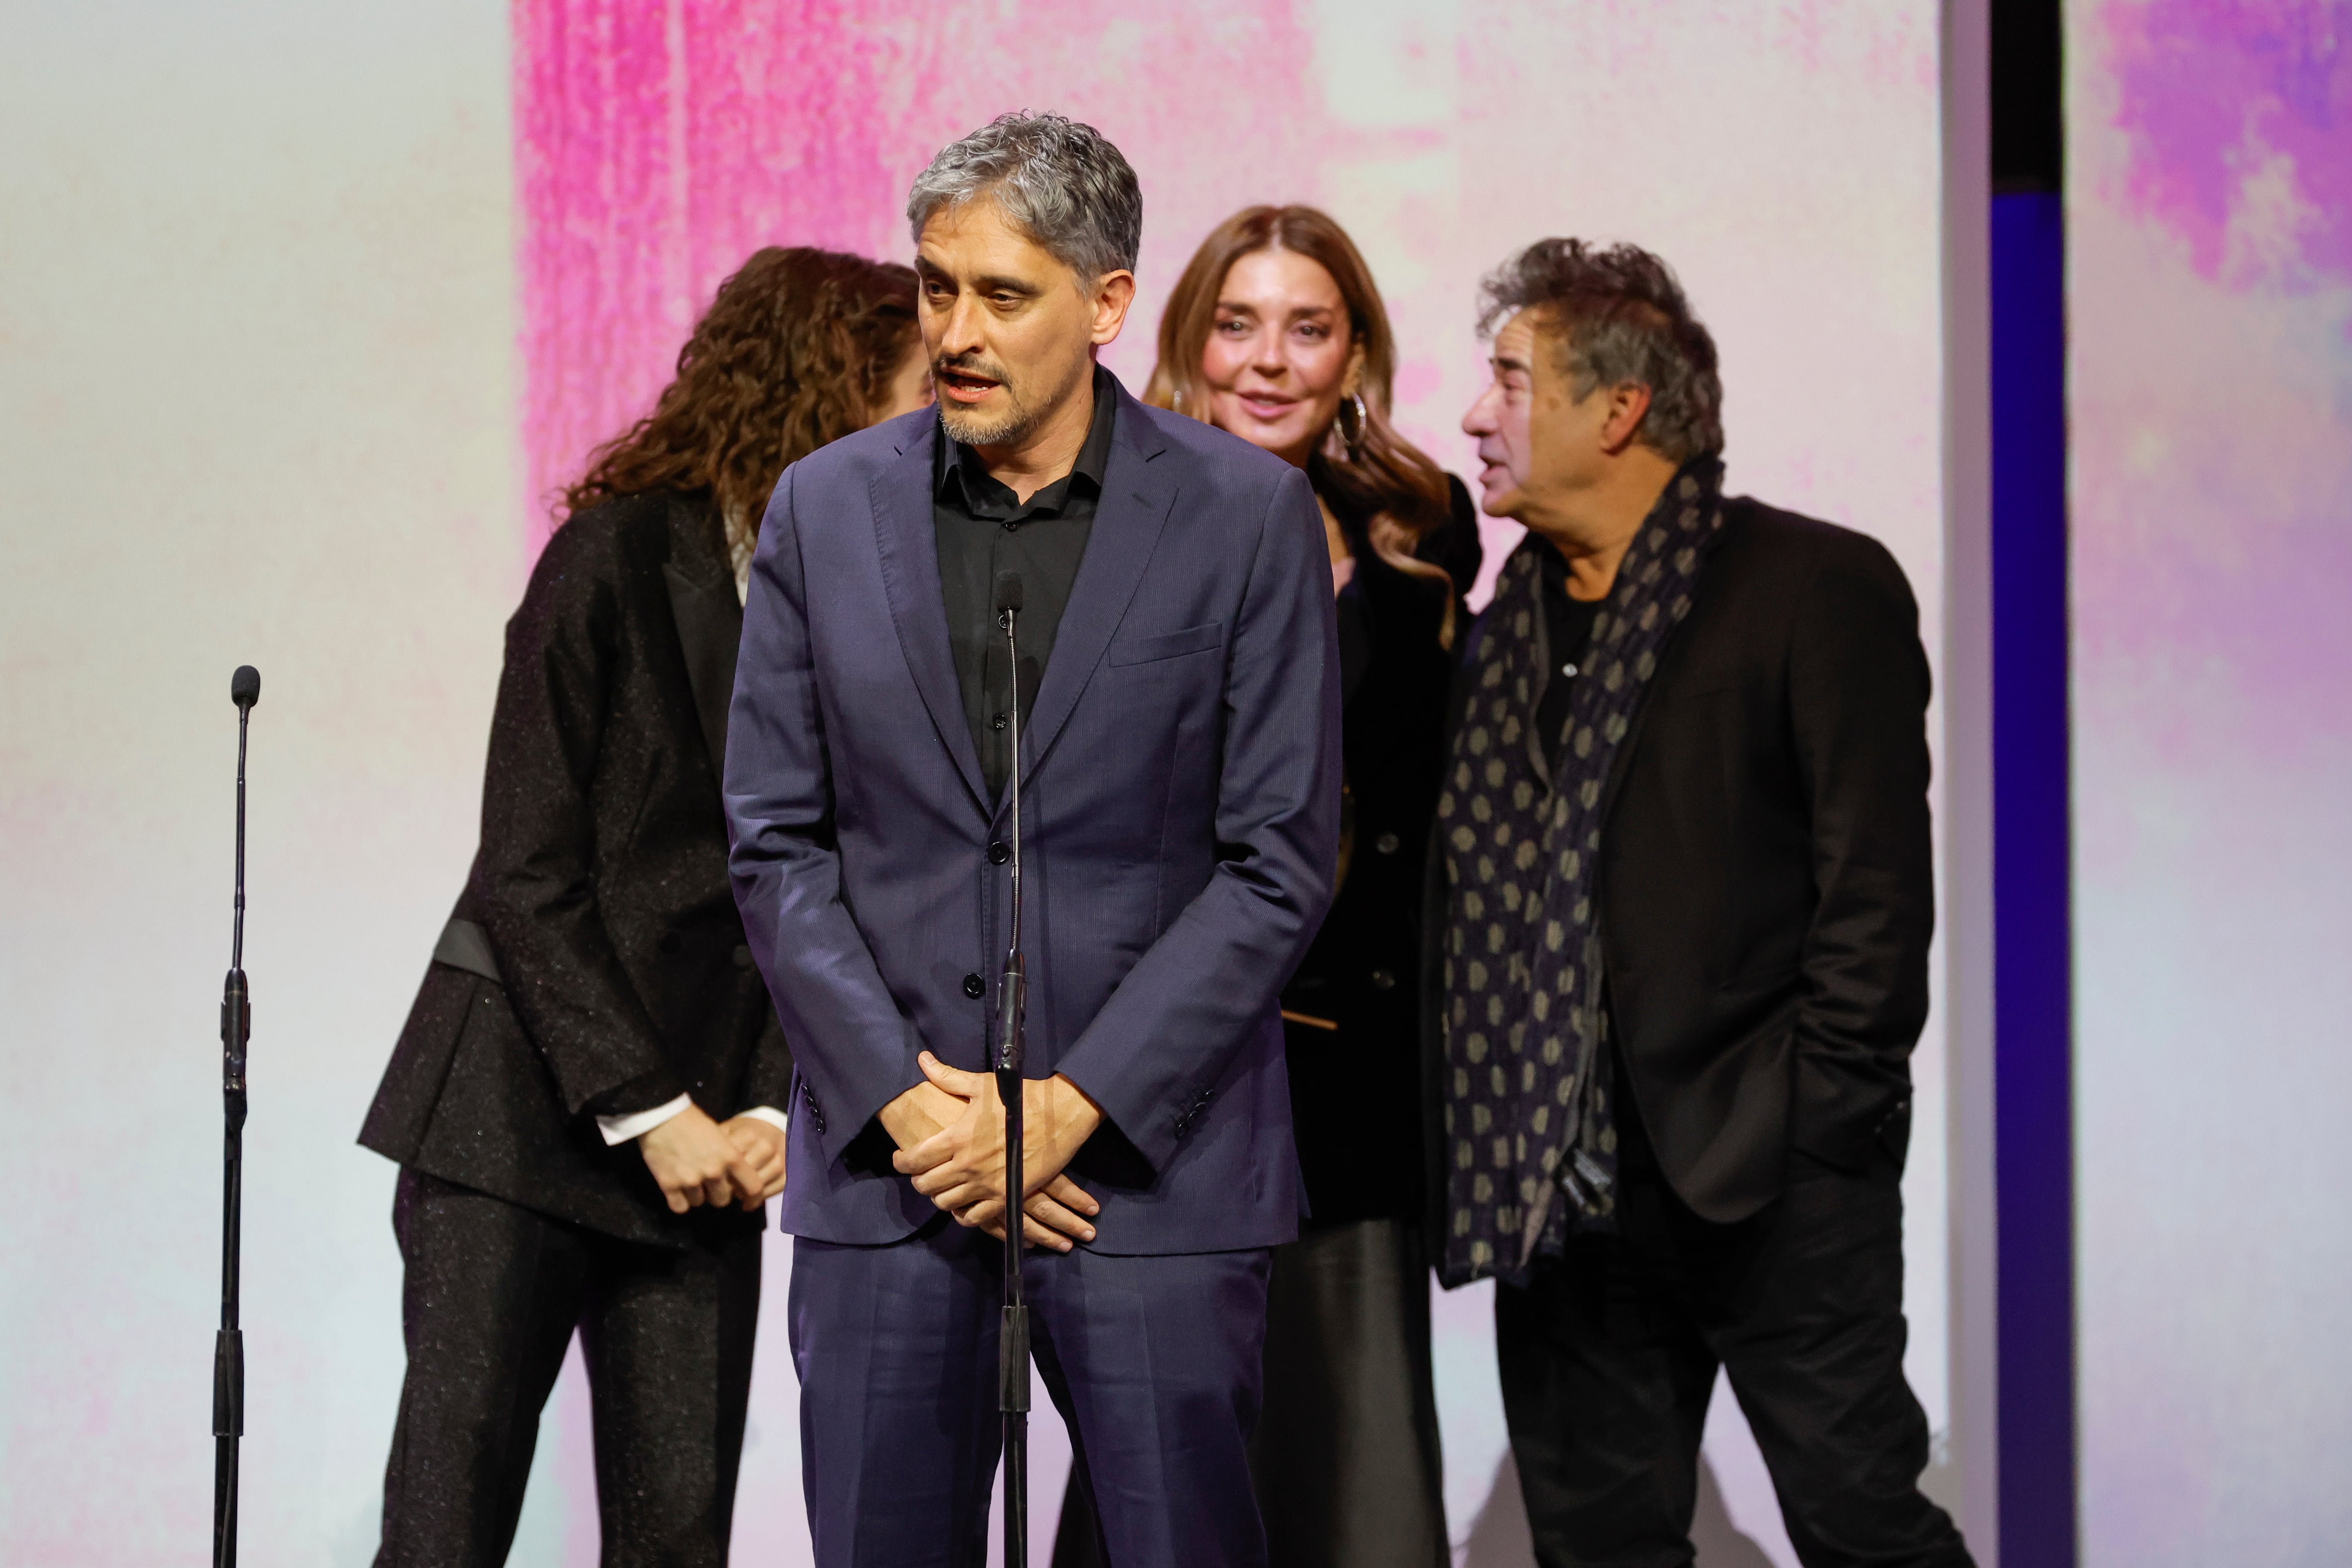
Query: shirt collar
point(956, 469)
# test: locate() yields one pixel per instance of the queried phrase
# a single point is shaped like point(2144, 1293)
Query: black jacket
point(1766, 886)
point(1355, 1090)
point(599, 895)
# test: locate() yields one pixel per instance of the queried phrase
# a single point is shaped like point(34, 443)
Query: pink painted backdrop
point(658, 145)
point(2210, 236)
point(1783, 156)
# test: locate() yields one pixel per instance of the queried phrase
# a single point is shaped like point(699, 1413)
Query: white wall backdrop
point(256, 393)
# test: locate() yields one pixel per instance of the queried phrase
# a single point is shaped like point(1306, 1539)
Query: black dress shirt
point(983, 529)
point(1568, 633)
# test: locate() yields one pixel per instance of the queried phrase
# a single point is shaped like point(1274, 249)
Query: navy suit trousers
point(1154, 1363)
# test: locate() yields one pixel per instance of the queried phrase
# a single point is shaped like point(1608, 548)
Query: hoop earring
point(1351, 431)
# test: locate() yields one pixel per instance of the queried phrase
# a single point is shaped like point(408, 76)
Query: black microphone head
point(1008, 590)
point(245, 686)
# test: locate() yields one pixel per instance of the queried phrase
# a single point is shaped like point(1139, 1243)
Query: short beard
point(1019, 418)
point(1016, 424)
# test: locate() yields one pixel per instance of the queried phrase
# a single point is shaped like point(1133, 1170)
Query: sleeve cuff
point(620, 1129)
point(656, 1086)
point(772, 1117)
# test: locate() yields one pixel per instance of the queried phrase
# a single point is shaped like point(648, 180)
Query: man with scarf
point(1682, 897)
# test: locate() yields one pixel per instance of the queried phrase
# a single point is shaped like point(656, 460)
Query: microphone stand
point(1012, 1338)
point(236, 1027)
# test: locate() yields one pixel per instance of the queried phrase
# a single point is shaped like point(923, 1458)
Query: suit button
point(1383, 980)
point(998, 722)
point(999, 853)
point(1386, 844)
point(974, 987)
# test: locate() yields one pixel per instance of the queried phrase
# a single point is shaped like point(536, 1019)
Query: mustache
point(970, 365)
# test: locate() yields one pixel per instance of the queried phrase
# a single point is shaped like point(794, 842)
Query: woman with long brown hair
point(1277, 332)
point(584, 1102)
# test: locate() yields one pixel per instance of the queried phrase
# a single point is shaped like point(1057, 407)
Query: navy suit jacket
point(1180, 815)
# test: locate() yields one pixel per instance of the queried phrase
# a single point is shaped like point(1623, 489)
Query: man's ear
point(1628, 402)
point(1114, 295)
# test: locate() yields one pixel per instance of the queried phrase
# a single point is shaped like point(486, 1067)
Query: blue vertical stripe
point(2032, 864)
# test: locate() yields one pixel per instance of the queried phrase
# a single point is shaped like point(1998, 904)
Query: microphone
point(1009, 605)
point(245, 686)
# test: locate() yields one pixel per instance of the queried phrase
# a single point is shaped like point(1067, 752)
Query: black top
point(599, 897)
point(1568, 632)
point(1355, 1090)
point(1766, 892)
point(983, 529)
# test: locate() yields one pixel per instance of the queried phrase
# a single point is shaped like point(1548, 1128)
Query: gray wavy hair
point(1620, 316)
point(1060, 183)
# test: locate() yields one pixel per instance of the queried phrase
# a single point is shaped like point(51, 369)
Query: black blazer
point(1766, 886)
point(1355, 1090)
point(599, 895)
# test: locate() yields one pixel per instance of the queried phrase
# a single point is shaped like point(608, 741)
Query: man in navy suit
point(1179, 763)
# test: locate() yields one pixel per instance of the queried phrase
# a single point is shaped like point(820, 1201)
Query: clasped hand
point(697, 1160)
point(950, 1135)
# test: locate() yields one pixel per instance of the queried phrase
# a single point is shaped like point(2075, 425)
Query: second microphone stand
point(1012, 1339)
point(237, 1029)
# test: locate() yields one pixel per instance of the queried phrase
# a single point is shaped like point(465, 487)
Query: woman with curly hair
point(585, 1101)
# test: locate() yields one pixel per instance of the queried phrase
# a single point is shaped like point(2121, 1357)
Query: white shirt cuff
point(772, 1117)
point(620, 1129)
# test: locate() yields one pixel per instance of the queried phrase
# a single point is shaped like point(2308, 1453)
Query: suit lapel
point(1135, 497)
point(1671, 659)
point(910, 579)
point(709, 620)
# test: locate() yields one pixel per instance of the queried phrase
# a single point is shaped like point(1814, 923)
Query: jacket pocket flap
point(465, 945)
point(1168, 645)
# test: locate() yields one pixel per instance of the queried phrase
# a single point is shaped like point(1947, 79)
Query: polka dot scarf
point(1531, 1144)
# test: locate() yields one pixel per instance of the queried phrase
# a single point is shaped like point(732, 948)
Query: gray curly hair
point(1619, 315)
point(1060, 183)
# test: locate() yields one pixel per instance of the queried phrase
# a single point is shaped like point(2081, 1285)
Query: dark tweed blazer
point(594, 962)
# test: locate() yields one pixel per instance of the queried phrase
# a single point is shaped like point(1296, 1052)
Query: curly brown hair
point(797, 349)
point(1379, 476)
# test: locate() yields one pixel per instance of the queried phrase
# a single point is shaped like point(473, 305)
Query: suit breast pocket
point(1204, 638)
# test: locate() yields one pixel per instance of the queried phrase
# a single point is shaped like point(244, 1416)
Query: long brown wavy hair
point(1380, 474)
point(797, 349)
